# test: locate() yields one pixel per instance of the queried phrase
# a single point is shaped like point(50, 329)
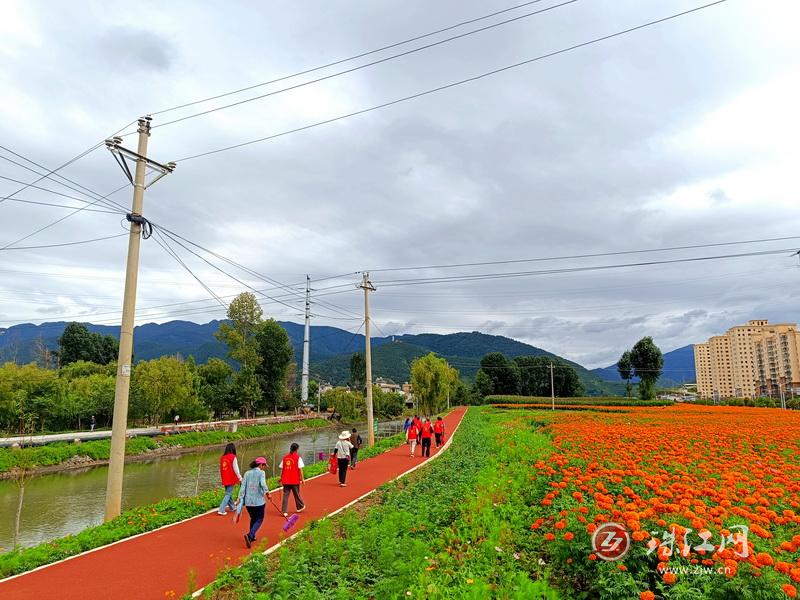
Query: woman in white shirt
point(342, 450)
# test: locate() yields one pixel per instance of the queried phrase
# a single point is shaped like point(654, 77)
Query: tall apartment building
point(756, 359)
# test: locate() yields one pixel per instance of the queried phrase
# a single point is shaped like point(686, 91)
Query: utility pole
point(139, 225)
point(367, 286)
point(306, 343)
point(552, 387)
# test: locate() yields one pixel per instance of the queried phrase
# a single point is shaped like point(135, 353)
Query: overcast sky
point(683, 133)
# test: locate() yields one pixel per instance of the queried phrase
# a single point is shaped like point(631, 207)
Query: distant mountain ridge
point(678, 368)
point(331, 348)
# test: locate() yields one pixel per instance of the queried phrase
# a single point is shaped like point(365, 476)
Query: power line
point(64, 218)
point(594, 255)
point(348, 59)
point(76, 187)
point(39, 203)
point(486, 276)
point(452, 84)
point(100, 239)
point(364, 66)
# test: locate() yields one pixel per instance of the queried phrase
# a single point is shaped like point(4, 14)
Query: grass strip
point(458, 528)
point(583, 401)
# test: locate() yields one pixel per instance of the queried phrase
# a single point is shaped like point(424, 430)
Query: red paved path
point(152, 565)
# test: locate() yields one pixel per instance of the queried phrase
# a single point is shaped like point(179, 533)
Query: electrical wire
point(39, 203)
point(100, 239)
point(364, 66)
point(452, 84)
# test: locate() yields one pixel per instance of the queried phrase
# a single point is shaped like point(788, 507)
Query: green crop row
point(55, 454)
point(583, 401)
point(142, 519)
point(458, 528)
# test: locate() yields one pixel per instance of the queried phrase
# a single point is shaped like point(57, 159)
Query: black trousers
point(341, 465)
point(353, 457)
point(295, 490)
point(438, 439)
point(426, 446)
point(256, 518)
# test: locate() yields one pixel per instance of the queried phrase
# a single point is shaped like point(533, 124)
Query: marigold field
point(685, 481)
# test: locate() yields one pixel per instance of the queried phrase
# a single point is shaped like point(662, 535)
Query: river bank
point(59, 457)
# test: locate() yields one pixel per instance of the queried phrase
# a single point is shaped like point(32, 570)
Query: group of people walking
point(421, 431)
point(254, 492)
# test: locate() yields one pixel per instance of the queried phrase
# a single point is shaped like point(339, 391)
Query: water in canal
point(64, 503)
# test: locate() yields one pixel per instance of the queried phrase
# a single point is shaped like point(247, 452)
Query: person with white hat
point(342, 451)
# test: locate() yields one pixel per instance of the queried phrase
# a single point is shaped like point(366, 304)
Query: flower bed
point(709, 498)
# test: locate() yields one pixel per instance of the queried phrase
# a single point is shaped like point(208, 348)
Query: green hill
point(393, 360)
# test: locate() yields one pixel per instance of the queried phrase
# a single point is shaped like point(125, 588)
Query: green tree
point(503, 373)
point(535, 377)
point(240, 336)
point(78, 343)
point(160, 387)
point(275, 354)
point(648, 363)
point(625, 370)
point(483, 386)
point(215, 388)
point(358, 373)
point(431, 380)
point(348, 404)
point(387, 404)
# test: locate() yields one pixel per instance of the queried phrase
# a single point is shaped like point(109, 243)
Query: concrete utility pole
point(367, 286)
point(552, 387)
point(306, 344)
point(123, 380)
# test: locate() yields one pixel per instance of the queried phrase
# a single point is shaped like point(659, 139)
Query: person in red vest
point(411, 436)
point(438, 431)
point(418, 425)
point(291, 479)
point(230, 475)
point(426, 433)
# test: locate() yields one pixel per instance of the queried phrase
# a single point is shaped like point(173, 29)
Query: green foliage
point(431, 380)
point(77, 343)
point(535, 377)
point(586, 401)
point(647, 362)
point(358, 372)
point(275, 355)
point(625, 370)
point(215, 388)
point(387, 404)
point(483, 386)
point(503, 373)
point(240, 336)
point(348, 404)
point(456, 529)
point(161, 387)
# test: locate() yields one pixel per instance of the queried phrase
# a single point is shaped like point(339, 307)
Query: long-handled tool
point(290, 521)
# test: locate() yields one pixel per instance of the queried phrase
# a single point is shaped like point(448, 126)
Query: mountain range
point(331, 349)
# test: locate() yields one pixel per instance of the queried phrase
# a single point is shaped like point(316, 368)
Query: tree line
point(525, 376)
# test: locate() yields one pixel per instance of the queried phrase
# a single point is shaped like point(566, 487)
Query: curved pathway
point(161, 563)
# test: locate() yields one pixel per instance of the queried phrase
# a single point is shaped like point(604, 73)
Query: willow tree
point(431, 379)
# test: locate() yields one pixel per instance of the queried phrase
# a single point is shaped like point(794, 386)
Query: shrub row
point(583, 401)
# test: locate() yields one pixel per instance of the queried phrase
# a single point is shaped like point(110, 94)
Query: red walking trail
point(158, 564)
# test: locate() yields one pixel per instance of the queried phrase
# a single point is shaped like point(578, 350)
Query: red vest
point(427, 431)
point(438, 427)
point(226, 471)
point(412, 432)
point(290, 472)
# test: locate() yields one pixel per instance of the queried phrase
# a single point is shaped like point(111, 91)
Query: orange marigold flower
point(764, 559)
point(648, 595)
point(669, 578)
point(568, 536)
point(549, 537)
point(622, 567)
point(593, 556)
point(789, 590)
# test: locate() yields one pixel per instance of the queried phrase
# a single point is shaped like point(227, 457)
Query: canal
point(65, 503)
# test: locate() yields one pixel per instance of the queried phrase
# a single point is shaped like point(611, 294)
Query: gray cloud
point(642, 142)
